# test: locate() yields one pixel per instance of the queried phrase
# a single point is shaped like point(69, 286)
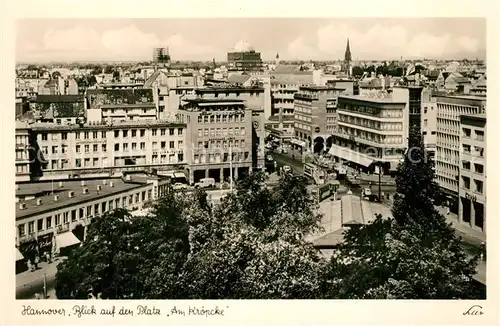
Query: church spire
point(347, 56)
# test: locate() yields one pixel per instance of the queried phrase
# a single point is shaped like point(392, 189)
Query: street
point(298, 167)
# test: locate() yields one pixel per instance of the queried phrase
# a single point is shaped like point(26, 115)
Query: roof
point(22, 125)
point(238, 79)
point(58, 106)
point(352, 213)
point(286, 69)
point(115, 125)
point(432, 75)
point(384, 100)
point(479, 116)
point(58, 98)
point(123, 97)
point(371, 83)
point(48, 203)
point(291, 79)
point(149, 82)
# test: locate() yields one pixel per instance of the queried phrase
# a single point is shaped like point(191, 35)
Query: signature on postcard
point(475, 310)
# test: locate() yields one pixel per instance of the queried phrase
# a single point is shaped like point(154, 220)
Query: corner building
point(219, 134)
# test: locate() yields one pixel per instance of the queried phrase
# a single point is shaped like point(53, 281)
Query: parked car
point(287, 169)
point(179, 186)
point(205, 183)
point(367, 192)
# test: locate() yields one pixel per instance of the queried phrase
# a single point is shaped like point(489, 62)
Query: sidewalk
point(28, 283)
point(467, 233)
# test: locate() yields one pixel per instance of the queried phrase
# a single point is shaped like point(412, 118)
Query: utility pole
point(379, 181)
point(231, 165)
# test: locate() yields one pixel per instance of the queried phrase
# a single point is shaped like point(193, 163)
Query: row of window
point(221, 157)
point(221, 144)
point(102, 134)
point(224, 118)
point(221, 132)
point(478, 168)
point(302, 126)
point(303, 109)
point(478, 134)
point(383, 113)
point(76, 214)
point(477, 151)
point(454, 111)
point(302, 118)
point(478, 185)
point(171, 158)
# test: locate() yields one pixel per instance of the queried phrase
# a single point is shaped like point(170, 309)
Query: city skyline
point(46, 40)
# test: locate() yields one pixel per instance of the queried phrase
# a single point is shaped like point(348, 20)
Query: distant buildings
point(247, 60)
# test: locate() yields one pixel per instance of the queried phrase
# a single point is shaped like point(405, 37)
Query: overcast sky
point(203, 39)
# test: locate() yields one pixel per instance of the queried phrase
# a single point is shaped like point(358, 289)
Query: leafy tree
point(250, 246)
point(416, 255)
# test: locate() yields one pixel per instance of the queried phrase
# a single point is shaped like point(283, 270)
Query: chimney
point(61, 184)
point(38, 202)
point(71, 194)
point(98, 187)
point(111, 184)
point(22, 206)
point(82, 183)
point(56, 198)
point(85, 190)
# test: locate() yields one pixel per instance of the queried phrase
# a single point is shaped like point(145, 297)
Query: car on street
point(269, 158)
point(287, 169)
point(367, 192)
point(205, 183)
point(179, 186)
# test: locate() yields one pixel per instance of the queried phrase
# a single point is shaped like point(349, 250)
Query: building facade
point(370, 132)
point(49, 215)
point(219, 132)
point(248, 61)
point(92, 150)
point(310, 115)
point(23, 134)
point(449, 110)
point(472, 192)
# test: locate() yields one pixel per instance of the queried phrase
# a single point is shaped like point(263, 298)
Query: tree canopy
point(413, 255)
point(253, 245)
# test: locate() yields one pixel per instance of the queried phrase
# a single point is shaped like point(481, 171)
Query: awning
point(66, 239)
point(351, 156)
point(19, 255)
point(179, 175)
point(298, 142)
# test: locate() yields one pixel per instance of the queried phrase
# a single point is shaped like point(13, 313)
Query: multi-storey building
point(283, 87)
point(255, 99)
point(449, 110)
point(219, 134)
point(56, 215)
point(429, 123)
point(310, 115)
point(371, 132)
point(115, 105)
point(248, 61)
point(23, 132)
point(472, 192)
point(93, 150)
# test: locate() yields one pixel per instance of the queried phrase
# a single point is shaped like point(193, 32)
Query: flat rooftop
point(48, 203)
point(380, 100)
point(40, 126)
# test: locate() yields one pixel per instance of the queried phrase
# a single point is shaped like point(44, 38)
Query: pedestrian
point(447, 210)
point(37, 260)
point(30, 266)
point(47, 256)
point(293, 156)
point(382, 195)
